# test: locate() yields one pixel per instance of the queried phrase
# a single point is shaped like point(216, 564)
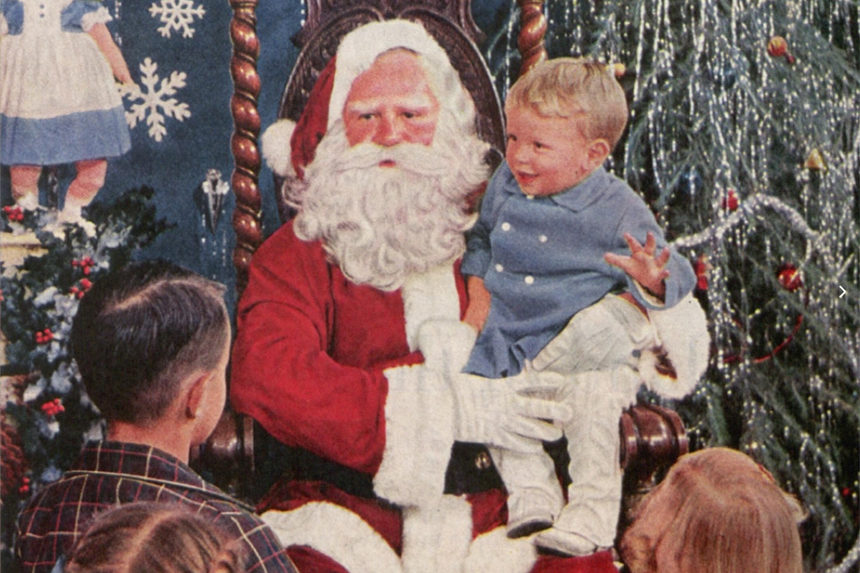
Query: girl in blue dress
point(59, 102)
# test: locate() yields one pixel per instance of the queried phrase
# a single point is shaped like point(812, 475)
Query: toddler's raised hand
point(644, 265)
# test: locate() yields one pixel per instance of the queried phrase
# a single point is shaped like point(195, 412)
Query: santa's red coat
point(309, 364)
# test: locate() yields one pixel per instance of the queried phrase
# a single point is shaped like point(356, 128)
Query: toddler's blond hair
point(574, 87)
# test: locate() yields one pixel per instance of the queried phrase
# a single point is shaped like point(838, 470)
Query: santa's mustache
point(411, 157)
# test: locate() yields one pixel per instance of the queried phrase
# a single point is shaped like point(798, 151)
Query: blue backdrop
point(179, 54)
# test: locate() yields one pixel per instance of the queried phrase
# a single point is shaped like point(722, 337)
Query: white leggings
point(598, 350)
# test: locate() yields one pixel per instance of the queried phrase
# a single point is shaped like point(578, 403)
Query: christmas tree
point(744, 138)
point(46, 415)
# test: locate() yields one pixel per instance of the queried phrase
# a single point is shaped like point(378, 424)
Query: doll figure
point(58, 99)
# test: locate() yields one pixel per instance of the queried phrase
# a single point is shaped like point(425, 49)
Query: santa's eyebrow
point(371, 105)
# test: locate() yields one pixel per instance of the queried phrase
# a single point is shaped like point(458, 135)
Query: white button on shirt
point(506, 226)
point(543, 239)
point(499, 268)
point(529, 279)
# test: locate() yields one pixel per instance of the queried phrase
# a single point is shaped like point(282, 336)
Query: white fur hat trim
point(360, 48)
point(277, 150)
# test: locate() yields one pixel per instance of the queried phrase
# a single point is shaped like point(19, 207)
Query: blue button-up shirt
point(541, 258)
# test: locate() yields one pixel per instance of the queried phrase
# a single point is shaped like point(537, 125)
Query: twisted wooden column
point(532, 31)
point(247, 219)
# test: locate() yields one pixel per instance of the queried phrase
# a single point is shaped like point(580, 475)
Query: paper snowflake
point(176, 15)
point(155, 104)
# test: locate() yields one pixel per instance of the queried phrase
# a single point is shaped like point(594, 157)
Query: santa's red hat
point(290, 146)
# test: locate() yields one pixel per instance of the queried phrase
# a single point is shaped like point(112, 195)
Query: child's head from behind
point(153, 537)
point(564, 117)
point(717, 511)
point(141, 332)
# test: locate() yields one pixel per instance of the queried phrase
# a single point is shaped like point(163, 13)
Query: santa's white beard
point(380, 224)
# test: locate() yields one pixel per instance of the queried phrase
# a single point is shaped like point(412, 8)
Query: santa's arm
point(281, 373)
point(389, 420)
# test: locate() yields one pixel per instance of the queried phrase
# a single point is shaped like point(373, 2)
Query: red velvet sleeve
point(283, 372)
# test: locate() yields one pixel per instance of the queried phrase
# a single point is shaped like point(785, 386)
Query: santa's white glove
point(507, 412)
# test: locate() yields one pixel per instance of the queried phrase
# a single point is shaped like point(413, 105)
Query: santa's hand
point(642, 265)
point(507, 412)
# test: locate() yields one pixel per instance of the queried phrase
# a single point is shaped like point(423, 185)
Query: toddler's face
point(547, 155)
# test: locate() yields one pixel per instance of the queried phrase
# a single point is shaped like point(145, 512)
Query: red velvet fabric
point(308, 365)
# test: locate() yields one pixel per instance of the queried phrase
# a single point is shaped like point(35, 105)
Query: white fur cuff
point(419, 433)
point(683, 333)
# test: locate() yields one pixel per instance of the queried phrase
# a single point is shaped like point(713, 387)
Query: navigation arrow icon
point(842, 288)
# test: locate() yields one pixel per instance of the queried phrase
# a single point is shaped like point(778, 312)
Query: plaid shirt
point(111, 473)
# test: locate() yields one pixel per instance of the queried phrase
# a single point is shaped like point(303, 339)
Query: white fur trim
point(682, 331)
point(436, 536)
point(90, 19)
point(429, 295)
point(419, 433)
point(446, 344)
point(336, 532)
point(359, 49)
point(493, 551)
point(277, 150)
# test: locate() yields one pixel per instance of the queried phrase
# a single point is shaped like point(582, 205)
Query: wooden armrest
point(227, 457)
point(652, 438)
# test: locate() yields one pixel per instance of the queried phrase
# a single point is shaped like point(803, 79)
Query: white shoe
point(565, 542)
point(29, 202)
point(531, 510)
point(71, 215)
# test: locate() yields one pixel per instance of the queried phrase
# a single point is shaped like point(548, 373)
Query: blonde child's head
point(576, 88)
point(716, 511)
point(564, 117)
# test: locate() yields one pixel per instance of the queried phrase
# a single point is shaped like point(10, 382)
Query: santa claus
point(350, 339)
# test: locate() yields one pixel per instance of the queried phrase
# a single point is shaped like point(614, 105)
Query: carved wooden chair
point(239, 453)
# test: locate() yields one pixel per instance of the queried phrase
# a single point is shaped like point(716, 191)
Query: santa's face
point(387, 190)
point(391, 103)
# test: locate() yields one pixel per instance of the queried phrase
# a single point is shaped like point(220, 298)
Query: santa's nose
point(389, 131)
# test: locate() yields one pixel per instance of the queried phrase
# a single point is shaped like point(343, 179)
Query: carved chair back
point(652, 437)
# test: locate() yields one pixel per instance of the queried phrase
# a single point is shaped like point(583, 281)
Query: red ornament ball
point(777, 46)
point(789, 277)
point(701, 267)
point(730, 201)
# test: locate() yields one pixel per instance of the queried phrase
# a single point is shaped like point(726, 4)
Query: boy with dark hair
point(152, 343)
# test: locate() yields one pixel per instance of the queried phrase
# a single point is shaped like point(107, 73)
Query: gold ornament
point(777, 47)
point(815, 161)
